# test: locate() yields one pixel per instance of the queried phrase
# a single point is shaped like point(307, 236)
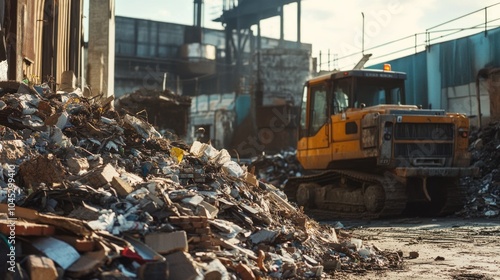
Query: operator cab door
point(314, 138)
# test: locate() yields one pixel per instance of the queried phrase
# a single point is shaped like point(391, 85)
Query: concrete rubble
point(483, 193)
point(276, 169)
point(99, 195)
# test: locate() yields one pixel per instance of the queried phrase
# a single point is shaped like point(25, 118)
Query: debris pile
point(89, 193)
point(166, 110)
point(276, 169)
point(483, 193)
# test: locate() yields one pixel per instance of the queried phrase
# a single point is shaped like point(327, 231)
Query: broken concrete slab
point(77, 165)
point(182, 266)
point(121, 186)
point(263, 236)
point(193, 200)
point(210, 211)
point(167, 242)
point(100, 177)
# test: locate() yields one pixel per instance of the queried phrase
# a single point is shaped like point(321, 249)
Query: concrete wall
point(101, 51)
point(283, 74)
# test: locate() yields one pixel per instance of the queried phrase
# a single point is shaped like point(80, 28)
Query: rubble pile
point(483, 192)
point(166, 110)
point(88, 193)
point(276, 169)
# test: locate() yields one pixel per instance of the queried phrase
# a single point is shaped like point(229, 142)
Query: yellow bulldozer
point(368, 155)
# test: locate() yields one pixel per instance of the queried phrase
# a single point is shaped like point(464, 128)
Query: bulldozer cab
point(336, 93)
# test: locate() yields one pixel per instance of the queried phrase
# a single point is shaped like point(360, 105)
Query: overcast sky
point(336, 26)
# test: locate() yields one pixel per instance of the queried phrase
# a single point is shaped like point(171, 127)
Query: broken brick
point(245, 272)
point(26, 228)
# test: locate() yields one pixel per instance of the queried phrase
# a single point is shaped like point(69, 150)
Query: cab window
point(318, 113)
point(303, 112)
point(340, 97)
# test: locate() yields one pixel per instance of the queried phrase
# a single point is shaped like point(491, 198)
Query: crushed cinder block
point(131, 178)
point(77, 165)
point(41, 268)
point(167, 242)
point(121, 186)
point(100, 177)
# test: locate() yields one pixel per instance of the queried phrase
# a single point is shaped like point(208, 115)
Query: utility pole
point(363, 35)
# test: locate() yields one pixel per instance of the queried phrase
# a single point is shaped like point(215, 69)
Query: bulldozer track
point(395, 193)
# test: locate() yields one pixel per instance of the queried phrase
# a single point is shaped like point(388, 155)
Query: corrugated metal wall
point(444, 75)
point(47, 37)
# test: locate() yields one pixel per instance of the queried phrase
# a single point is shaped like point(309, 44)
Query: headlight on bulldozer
point(463, 132)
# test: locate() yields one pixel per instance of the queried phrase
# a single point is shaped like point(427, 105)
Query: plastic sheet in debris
point(60, 252)
point(144, 129)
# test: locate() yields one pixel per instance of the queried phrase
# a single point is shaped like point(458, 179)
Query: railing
point(417, 42)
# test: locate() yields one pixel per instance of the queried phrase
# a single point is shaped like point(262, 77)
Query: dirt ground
point(448, 248)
